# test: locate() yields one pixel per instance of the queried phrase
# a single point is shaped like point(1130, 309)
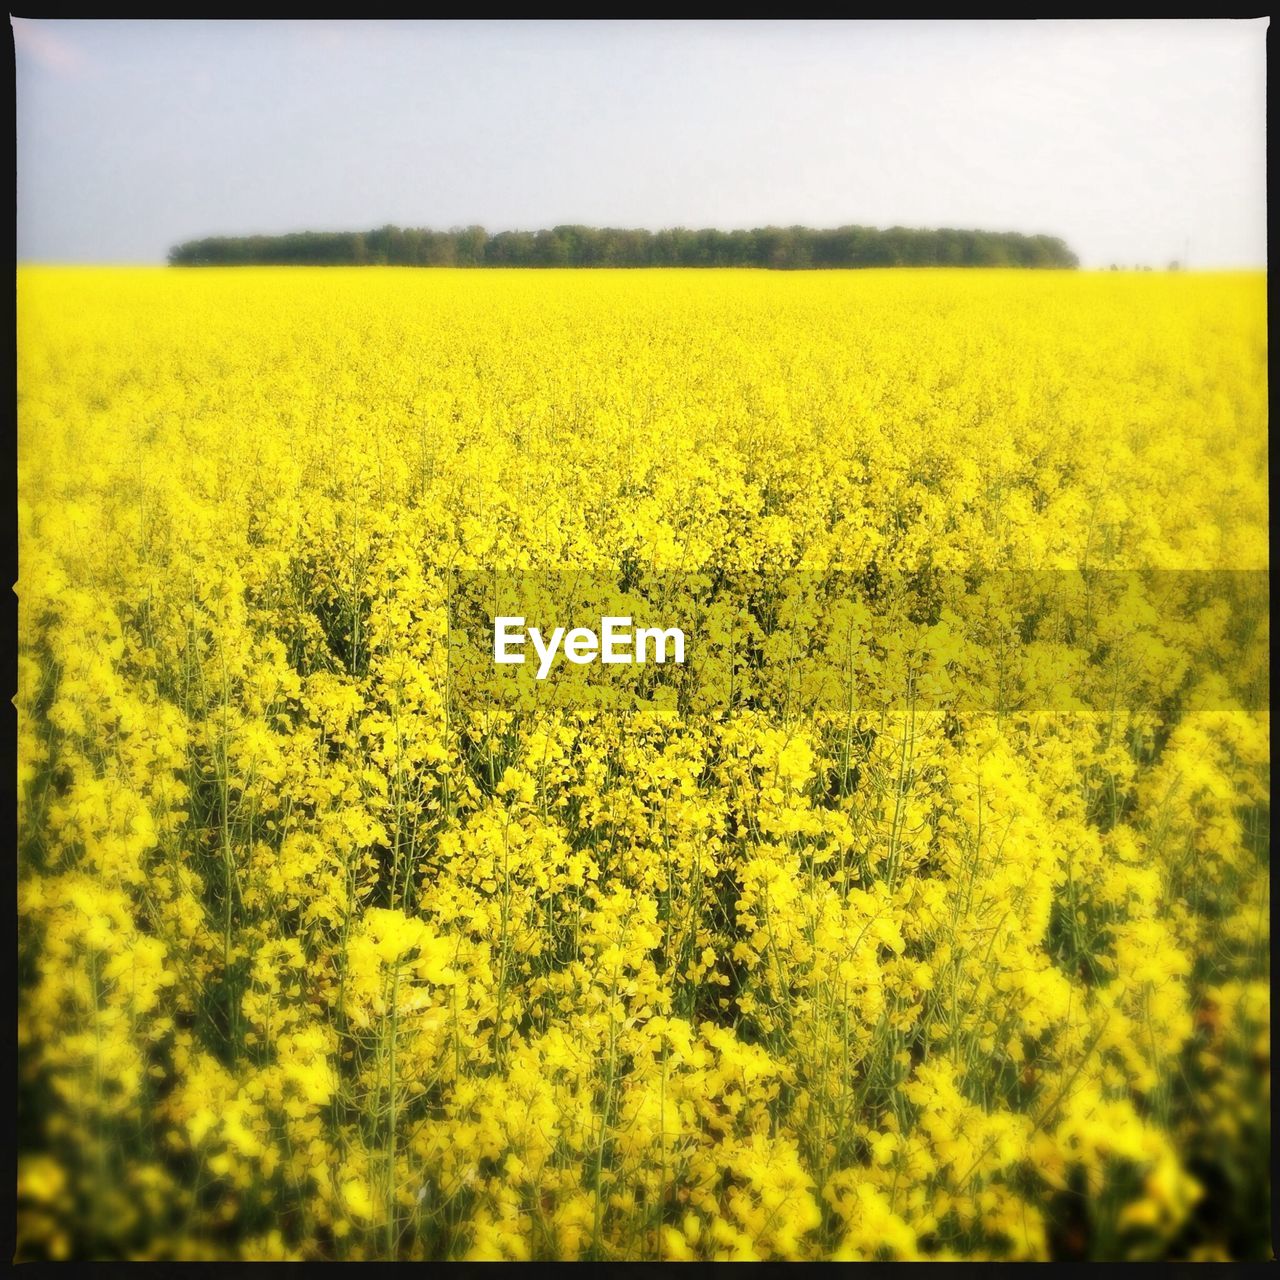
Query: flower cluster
point(319, 961)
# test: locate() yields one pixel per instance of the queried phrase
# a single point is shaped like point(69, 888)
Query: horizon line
point(90, 264)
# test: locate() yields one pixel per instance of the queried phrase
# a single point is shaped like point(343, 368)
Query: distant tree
point(471, 244)
point(774, 248)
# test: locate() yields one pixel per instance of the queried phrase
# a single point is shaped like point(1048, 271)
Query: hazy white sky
point(1130, 139)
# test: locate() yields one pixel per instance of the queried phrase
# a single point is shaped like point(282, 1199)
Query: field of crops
point(322, 955)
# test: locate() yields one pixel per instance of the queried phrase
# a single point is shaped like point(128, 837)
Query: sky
point(1138, 142)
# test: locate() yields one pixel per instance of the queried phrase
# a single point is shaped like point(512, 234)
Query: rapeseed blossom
point(318, 960)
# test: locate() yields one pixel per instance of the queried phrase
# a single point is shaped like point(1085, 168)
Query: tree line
point(779, 248)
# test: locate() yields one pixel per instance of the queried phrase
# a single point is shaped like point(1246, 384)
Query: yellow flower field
point(319, 958)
